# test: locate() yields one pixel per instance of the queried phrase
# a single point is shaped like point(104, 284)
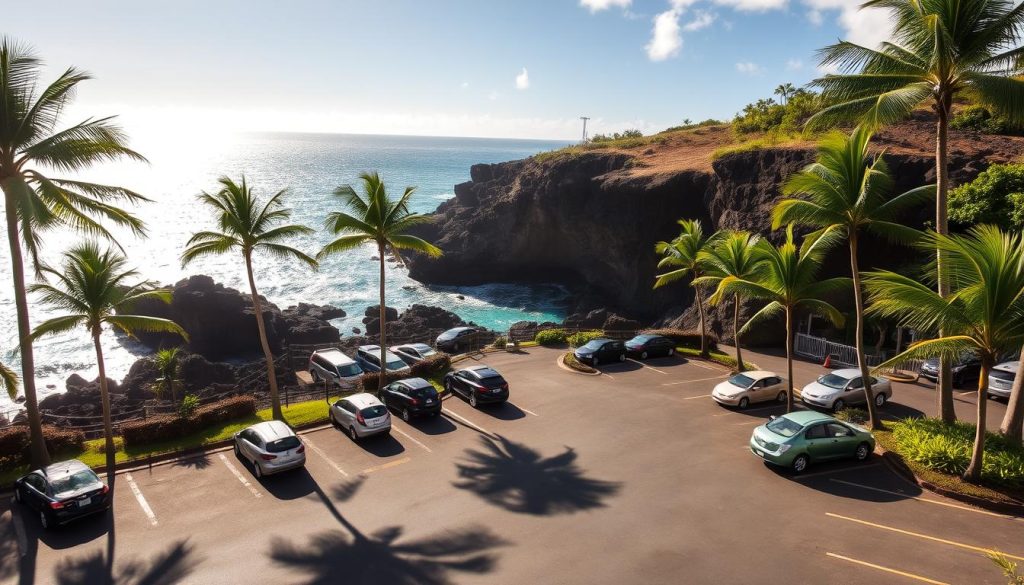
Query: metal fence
point(819, 348)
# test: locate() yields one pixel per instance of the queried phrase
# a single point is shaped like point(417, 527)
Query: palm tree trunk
point(1013, 422)
point(973, 473)
point(703, 325)
point(858, 307)
point(789, 359)
point(108, 428)
point(39, 455)
point(383, 315)
point(736, 332)
point(945, 383)
point(275, 399)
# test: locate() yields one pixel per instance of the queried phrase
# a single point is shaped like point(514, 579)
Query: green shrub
point(981, 119)
point(570, 360)
point(551, 337)
point(857, 416)
point(188, 405)
point(684, 338)
point(625, 134)
point(14, 443)
point(370, 380)
point(996, 196)
point(500, 342)
point(432, 366)
point(172, 426)
point(581, 338)
point(947, 448)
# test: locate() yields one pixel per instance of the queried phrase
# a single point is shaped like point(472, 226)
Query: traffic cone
point(828, 361)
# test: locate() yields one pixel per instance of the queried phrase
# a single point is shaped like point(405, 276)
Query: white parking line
point(241, 478)
point(410, 437)
point(320, 452)
point(646, 366)
point(19, 528)
point(803, 476)
point(467, 422)
point(697, 380)
point(608, 375)
point(142, 499)
point(926, 500)
point(527, 411)
point(696, 397)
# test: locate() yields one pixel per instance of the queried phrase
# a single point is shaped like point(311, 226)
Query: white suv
point(1000, 380)
point(332, 366)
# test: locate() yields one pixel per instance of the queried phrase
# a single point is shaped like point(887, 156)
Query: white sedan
point(841, 388)
point(747, 387)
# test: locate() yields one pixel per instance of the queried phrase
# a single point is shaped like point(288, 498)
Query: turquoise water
point(310, 166)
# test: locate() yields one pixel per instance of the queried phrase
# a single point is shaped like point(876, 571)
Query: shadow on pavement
point(381, 445)
point(663, 362)
point(619, 367)
point(170, 566)
point(435, 425)
point(69, 535)
point(349, 555)
point(517, 478)
point(503, 411)
point(290, 485)
point(868, 481)
point(201, 461)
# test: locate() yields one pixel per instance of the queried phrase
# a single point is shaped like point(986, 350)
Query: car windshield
point(833, 381)
point(741, 380)
point(74, 482)
point(424, 392)
point(641, 339)
point(396, 364)
point(283, 444)
point(349, 370)
point(595, 344)
point(492, 381)
point(425, 351)
point(373, 411)
point(1003, 375)
point(783, 426)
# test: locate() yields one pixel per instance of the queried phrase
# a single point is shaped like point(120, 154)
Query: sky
point(489, 68)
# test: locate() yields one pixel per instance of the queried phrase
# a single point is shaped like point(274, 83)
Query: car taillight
point(106, 489)
point(56, 505)
point(301, 449)
point(360, 419)
point(415, 401)
point(268, 457)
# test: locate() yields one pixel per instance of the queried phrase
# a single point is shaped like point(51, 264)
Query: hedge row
point(170, 427)
point(434, 365)
point(551, 337)
point(15, 441)
point(581, 338)
point(685, 338)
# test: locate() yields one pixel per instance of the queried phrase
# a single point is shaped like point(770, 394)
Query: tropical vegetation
point(733, 254)
point(684, 257)
point(995, 197)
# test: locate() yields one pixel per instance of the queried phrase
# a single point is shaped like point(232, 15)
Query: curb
point(560, 362)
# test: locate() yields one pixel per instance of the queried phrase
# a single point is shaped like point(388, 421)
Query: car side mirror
point(772, 417)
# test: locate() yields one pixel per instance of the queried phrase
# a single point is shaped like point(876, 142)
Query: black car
point(411, 397)
point(62, 492)
point(644, 346)
point(457, 339)
point(479, 384)
point(966, 369)
point(413, 352)
point(599, 351)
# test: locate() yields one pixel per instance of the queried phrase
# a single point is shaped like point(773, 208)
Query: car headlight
point(784, 447)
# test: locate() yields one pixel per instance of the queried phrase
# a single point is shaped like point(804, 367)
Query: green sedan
point(796, 439)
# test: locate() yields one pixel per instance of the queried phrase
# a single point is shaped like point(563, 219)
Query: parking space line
point(387, 465)
point(690, 381)
point(888, 570)
point(241, 478)
point(608, 375)
point(142, 499)
point(929, 501)
point(803, 476)
point(410, 437)
point(922, 536)
point(696, 397)
point(527, 411)
point(19, 528)
point(309, 443)
point(700, 365)
point(467, 422)
point(643, 365)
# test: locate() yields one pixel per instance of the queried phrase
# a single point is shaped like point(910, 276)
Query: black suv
point(479, 384)
point(62, 492)
point(411, 397)
point(601, 350)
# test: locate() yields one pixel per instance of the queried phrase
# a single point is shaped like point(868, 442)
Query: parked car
point(360, 415)
point(271, 447)
point(797, 439)
point(748, 387)
point(334, 367)
point(966, 369)
point(1000, 379)
point(411, 353)
point(478, 384)
point(368, 358)
point(62, 492)
point(600, 351)
point(837, 389)
point(644, 346)
point(411, 397)
point(457, 339)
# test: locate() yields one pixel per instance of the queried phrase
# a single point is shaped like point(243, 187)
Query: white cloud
point(493, 95)
point(794, 65)
point(701, 20)
point(753, 5)
point(867, 27)
point(599, 5)
point(666, 39)
point(464, 84)
point(749, 68)
point(523, 79)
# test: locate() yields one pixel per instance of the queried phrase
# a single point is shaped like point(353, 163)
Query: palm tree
point(683, 255)
point(785, 91)
point(847, 191)
point(374, 217)
point(942, 48)
point(166, 362)
point(983, 314)
point(248, 225)
point(733, 255)
point(9, 380)
point(30, 147)
point(94, 290)
point(789, 281)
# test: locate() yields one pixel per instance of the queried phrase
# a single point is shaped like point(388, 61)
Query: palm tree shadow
point(200, 461)
point(517, 478)
point(171, 566)
point(383, 557)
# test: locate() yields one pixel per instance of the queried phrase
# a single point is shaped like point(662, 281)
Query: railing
point(818, 348)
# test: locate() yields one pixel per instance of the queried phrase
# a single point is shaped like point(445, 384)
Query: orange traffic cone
point(828, 361)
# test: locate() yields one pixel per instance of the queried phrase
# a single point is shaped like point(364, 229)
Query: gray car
point(412, 353)
point(334, 367)
point(360, 415)
point(271, 447)
point(835, 390)
point(1000, 379)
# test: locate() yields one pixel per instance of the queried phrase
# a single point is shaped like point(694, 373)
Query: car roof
point(482, 371)
point(600, 339)
point(416, 346)
point(847, 372)
point(457, 329)
point(363, 400)
point(369, 348)
point(760, 374)
point(415, 383)
point(335, 356)
point(63, 468)
point(806, 417)
point(272, 430)
point(1008, 366)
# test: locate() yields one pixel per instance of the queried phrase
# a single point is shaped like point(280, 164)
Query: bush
point(153, 429)
point(432, 366)
point(551, 337)
point(857, 416)
point(570, 360)
point(370, 381)
point(581, 338)
point(689, 339)
point(500, 342)
point(188, 405)
point(766, 115)
point(171, 426)
point(14, 443)
point(996, 196)
point(225, 410)
point(61, 440)
point(947, 448)
point(981, 119)
point(632, 133)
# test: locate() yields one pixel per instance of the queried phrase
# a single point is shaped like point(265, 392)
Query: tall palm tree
point(789, 282)
point(847, 191)
point(785, 91)
point(248, 225)
point(683, 255)
point(374, 217)
point(983, 314)
point(31, 146)
point(95, 291)
point(942, 48)
point(733, 255)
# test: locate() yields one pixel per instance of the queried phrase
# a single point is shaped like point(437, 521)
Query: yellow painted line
point(387, 465)
point(888, 570)
point(927, 500)
point(923, 536)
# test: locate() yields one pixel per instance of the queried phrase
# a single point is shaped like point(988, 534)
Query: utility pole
point(584, 118)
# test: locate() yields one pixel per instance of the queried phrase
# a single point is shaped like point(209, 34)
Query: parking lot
point(633, 476)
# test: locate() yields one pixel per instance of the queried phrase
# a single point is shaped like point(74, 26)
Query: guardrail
point(819, 348)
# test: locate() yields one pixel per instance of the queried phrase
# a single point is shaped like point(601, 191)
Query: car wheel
point(800, 463)
point(594, 361)
point(44, 520)
point(622, 357)
point(838, 405)
point(472, 400)
point(880, 399)
point(781, 397)
point(316, 377)
point(330, 415)
point(405, 415)
point(353, 434)
point(643, 355)
point(863, 452)
point(238, 453)
point(17, 495)
point(455, 348)
point(671, 351)
point(744, 403)
point(257, 470)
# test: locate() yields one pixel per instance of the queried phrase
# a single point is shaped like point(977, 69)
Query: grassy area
point(757, 143)
point(570, 360)
point(716, 356)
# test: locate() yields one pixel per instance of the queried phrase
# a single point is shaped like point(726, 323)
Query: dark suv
point(457, 339)
point(62, 492)
point(600, 351)
point(479, 384)
point(411, 397)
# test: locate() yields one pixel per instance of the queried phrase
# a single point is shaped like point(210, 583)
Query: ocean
point(309, 166)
